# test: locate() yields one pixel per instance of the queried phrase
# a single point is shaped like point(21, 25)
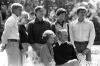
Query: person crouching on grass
point(64, 52)
point(46, 52)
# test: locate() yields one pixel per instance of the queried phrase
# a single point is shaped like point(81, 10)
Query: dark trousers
point(81, 47)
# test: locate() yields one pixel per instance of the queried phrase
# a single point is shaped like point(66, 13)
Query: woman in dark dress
point(23, 34)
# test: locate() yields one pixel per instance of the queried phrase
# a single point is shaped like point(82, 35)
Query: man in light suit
point(10, 36)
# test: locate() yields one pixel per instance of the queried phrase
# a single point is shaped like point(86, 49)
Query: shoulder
point(68, 44)
point(66, 24)
point(56, 44)
point(89, 22)
point(32, 22)
point(9, 21)
point(47, 21)
point(71, 23)
point(20, 25)
point(52, 23)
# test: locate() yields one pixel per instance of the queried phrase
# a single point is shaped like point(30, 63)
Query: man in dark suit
point(36, 29)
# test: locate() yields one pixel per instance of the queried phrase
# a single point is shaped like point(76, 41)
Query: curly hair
point(46, 35)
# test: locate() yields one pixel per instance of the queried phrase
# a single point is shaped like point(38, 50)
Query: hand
point(87, 50)
point(52, 63)
point(2, 47)
point(25, 47)
point(76, 51)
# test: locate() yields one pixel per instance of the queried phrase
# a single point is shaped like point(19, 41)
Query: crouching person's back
point(64, 52)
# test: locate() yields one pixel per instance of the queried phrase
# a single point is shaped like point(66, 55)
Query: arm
point(71, 34)
point(30, 33)
point(74, 53)
point(91, 36)
point(7, 30)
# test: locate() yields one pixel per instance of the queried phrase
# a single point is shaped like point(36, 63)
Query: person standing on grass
point(82, 33)
point(36, 28)
point(10, 37)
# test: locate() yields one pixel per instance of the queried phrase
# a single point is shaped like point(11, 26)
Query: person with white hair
point(23, 34)
point(82, 33)
point(64, 52)
point(10, 37)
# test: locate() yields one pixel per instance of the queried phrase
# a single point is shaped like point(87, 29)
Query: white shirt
point(82, 31)
point(10, 29)
point(59, 27)
point(59, 42)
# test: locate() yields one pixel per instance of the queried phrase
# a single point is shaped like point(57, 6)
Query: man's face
point(18, 11)
point(62, 16)
point(63, 36)
point(82, 13)
point(40, 13)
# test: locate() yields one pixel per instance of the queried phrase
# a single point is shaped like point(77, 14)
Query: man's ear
point(60, 36)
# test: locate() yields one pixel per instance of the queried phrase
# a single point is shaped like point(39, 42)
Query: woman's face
point(51, 39)
point(82, 13)
point(62, 16)
point(24, 19)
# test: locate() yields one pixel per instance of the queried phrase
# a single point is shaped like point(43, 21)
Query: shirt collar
point(60, 23)
point(15, 17)
point(85, 20)
point(38, 21)
point(59, 42)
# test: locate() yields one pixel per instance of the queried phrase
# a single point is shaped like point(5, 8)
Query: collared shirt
point(10, 29)
point(83, 31)
point(59, 42)
point(59, 26)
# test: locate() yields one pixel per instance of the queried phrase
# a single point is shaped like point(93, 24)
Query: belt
point(13, 40)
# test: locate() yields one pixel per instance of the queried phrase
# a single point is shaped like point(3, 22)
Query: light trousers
point(13, 53)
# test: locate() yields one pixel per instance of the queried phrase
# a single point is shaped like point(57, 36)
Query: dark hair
point(37, 8)
point(60, 11)
point(80, 10)
point(46, 35)
point(15, 7)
